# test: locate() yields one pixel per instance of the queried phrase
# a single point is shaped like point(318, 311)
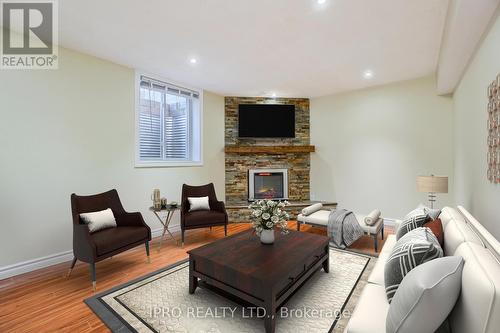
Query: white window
point(168, 124)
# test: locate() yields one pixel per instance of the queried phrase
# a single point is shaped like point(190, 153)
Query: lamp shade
point(432, 184)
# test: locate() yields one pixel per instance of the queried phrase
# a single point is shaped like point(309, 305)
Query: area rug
point(160, 302)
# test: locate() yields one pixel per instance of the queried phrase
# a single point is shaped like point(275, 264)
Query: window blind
point(164, 121)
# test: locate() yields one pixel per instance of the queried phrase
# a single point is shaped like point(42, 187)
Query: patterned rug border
point(368, 257)
point(117, 324)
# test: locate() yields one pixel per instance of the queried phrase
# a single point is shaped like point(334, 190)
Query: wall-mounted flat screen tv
point(266, 121)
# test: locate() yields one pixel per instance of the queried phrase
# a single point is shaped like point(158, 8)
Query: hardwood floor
point(47, 301)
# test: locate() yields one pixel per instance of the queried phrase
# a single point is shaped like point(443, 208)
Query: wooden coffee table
point(262, 275)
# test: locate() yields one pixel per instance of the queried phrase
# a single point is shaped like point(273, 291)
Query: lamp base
point(432, 199)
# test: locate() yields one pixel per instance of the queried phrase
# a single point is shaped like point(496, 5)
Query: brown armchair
point(216, 216)
point(130, 232)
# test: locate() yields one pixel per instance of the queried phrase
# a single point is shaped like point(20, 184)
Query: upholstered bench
point(316, 216)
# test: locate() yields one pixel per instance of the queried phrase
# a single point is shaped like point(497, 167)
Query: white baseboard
point(57, 258)
point(34, 264)
point(390, 222)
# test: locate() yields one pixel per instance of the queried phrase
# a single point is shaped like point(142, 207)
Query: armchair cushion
point(204, 217)
point(109, 240)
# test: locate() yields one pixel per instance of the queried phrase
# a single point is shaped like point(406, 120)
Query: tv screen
point(266, 121)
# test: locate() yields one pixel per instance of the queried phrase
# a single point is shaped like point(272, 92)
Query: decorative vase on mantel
point(266, 216)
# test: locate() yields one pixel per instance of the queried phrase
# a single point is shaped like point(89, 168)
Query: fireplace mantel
point(269, 149)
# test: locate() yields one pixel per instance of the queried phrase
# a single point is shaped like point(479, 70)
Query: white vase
point(267, 236)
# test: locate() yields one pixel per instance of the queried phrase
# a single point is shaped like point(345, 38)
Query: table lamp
point(432, 185)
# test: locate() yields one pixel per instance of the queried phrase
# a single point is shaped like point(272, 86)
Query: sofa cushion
point(478, 306)
point(426, 297)
point(377, 274)
point(413, 249)
point(448, 214)
point(370, 312)
point(457, 232)
point(204, 217)
point(437, 229)
point(410, 223)
point(389, 244)
point(109, 240)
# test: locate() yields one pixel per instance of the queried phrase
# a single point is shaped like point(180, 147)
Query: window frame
point(192, 161)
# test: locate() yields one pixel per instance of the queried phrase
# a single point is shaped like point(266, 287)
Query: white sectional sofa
point(478, 307)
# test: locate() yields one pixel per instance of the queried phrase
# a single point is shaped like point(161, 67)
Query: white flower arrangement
point(267, 214)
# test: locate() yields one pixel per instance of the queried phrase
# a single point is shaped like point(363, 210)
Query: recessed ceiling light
point(368, 74)
point(321, 1)
point(193, 61)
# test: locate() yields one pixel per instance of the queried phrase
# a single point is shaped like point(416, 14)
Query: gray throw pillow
point(417, 211)
point(426, 297)
point(411, 223)
point(433, 213)
point(415, 248)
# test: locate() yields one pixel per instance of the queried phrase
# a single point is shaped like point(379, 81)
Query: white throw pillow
point(426, 296)
point(99, 220)
point(198, 203)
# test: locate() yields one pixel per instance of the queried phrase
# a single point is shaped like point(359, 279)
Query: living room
point(357, 110)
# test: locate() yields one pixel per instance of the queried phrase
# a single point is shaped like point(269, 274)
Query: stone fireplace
point(267, 184)
point(244, 154)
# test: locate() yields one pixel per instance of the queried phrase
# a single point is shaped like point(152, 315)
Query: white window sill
point(168, 164)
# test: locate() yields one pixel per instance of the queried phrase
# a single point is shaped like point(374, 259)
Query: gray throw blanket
point(343, 228)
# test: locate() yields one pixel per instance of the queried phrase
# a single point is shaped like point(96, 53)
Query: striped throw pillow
point(413, 249)
point(410, 223)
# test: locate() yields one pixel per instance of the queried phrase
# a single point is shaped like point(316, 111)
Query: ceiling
point(295, 48)
point(466, 23)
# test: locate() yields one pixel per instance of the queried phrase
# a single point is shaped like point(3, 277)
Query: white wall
point(371, 144)
point(473, 190)
point(72, 130)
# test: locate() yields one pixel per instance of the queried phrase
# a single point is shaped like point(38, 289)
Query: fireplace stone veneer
point(238, 163)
